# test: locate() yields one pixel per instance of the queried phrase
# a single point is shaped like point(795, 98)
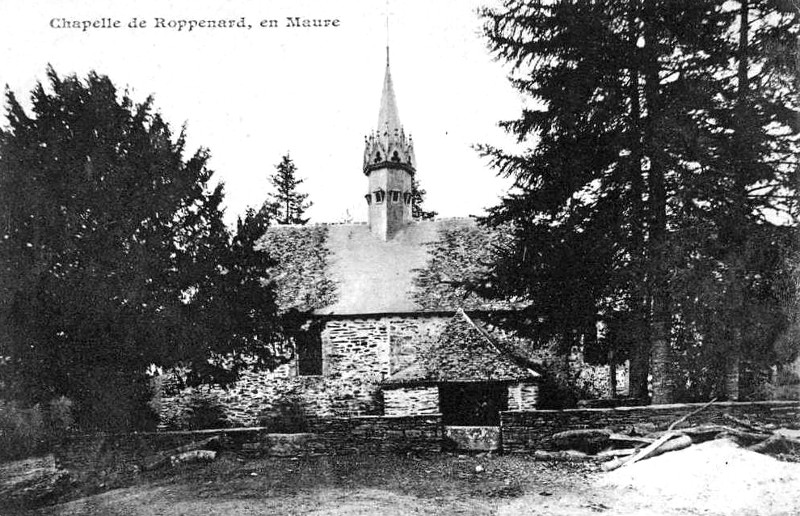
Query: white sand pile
point(716, 477)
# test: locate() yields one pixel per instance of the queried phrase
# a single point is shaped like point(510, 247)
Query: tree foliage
point(286, 205)
point(417, 198)
point(643, 205)
point(114, 256)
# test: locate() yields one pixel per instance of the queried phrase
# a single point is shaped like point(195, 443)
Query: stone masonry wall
point(258, 396)
point(357, 354)
point(411, 401)
point(375, 347)
point(526, 431)
point(125, 454)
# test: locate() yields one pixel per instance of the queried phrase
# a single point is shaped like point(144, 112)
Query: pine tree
point(606, 205)
point(286, 205)
point(748, 170)
point(417, 198)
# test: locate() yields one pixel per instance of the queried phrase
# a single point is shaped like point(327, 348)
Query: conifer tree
point(114, 256)
point(417, 198)
point(630, 98)
point(286, 205)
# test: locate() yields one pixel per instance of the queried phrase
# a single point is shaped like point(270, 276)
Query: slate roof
point(464, 352)
point(343, 269)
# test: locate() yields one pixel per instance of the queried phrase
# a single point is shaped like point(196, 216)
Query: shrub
point(60, 419)
point(206, 412)
point(787, 377)
point(556, 392)
point(286, 417)
point(22, 431)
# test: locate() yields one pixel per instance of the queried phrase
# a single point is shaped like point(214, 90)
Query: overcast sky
point(251, 95)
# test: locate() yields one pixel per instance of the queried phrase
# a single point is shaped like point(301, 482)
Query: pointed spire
point(388, 118)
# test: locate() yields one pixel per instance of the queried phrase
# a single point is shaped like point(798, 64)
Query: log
point(611, 454)
point(703, 433)
point(666, 443)
point(777, 443)
point(590, 440)
point(764, 446)
point(629, 439)
point(747, 424)
point(561, 456)
point(193, 456)
point(642, 429)
point(163, 458)
point(31, 481)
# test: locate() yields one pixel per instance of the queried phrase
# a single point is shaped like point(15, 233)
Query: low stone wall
point(381, 434)
point(125, 453)
point(472, 438)
point(526, 431)
point(409, 401)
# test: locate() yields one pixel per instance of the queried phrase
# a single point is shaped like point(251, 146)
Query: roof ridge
point(482, 333)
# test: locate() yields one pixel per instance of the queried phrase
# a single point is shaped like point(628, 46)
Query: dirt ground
point(708, 479)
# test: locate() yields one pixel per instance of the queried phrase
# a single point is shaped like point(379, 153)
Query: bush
point(286, 417)
point(60, 419)
point(22, 431)
point(28, 431)
point(787, 376)
point(556, 392)
point(206, 412)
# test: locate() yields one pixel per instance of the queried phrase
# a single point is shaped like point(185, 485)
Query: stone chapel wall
point(357, 354)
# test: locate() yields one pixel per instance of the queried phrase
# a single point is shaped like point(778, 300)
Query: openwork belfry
point(389, 165)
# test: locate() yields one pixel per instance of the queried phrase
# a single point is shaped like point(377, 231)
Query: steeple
point(388, 118)
point(389, 164)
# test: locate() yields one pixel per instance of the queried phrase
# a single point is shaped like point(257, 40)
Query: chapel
point(389, 327)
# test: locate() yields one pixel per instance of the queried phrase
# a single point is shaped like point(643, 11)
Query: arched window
point(395, 156)
point(380, 195)
point(377, 157)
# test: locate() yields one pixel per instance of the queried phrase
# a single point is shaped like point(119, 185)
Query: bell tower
point(389, 165)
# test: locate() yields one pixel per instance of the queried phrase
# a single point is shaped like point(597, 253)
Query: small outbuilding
point(465, 375)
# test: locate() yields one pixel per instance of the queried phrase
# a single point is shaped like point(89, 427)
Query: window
point(368, 197)
point(395, 196)
point(377, 157)
point(407, 198)
point(395, 156)
point(309, 352)
point(379, 196)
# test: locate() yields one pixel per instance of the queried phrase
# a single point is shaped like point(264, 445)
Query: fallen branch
point(690, 414)
point(629, 439)
point(611, 454)
point(666, 443)
point(713, 431)
point(766, 444)
point(777, 441)
point(747, 424)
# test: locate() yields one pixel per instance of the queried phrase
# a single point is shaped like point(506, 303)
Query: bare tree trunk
point(732, 373)
point(640, 354)
point(660, 321)
point(612, 374)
